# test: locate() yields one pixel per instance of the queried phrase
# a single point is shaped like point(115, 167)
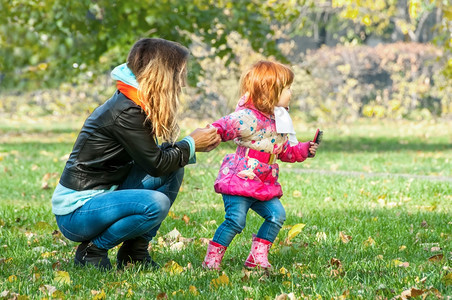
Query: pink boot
point(214, 256)
point(259, 254)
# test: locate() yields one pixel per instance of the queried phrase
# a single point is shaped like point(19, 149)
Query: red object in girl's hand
point(318, 136)
point(317, 139)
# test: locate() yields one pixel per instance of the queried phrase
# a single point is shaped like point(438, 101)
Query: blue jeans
point(236, 208)
point(136, 208)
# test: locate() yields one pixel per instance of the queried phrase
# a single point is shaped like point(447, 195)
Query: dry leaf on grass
point(173, 267)
point(98, 295)
point(447, 279)
point(220, 281)
point(186, 219)
point(344, 238)
point(369, 242)
point(295, 230)
point(193, 290)
point(284, 296)
point(62, 277)
point(436, 258)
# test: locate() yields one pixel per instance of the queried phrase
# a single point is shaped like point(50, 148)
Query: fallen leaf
point(284, 296)
point(204, 241)
point(401, 248)
point(180, 291)
point(435, 292)
point(295, 230)
point(423, 280)
point(98, 295)
point(287, 283)
point(6, 294)
point(186, 219)
point(186, 240)
point(62, 277)
point(211, 222)
point(344, 238)
point(221, 280)
point(435, 249)
point(47, 289)
point(246, 276)
point(436, 258)
point(369, 242)
point(12, 278)
point(177, 246)
point(284, 272)
point(162, 296)
point(247, 289)
point(447, 279)
point(334, 262)
point(413, 292)
point(173, 235)
point(173, 267)
point(5, 260)
point(396, 262)
point(192, 289)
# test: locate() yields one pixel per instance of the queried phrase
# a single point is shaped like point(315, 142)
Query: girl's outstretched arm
point(297, 153)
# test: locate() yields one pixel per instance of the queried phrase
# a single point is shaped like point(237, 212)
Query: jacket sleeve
point(139, 142)
point(237, 124)
point(297, 153)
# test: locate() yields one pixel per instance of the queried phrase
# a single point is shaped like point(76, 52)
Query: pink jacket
point(256, 177)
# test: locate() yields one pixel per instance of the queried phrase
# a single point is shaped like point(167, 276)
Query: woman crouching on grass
point(118, 183)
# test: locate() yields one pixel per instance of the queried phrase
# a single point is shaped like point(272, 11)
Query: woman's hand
point(313, 148)
point(206, 139)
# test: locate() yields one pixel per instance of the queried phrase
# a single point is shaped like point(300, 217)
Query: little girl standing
point(262, 129)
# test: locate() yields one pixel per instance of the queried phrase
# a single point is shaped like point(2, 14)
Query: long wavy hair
point(160, 69)
point(265, 81)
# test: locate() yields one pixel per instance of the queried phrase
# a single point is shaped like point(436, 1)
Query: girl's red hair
point(265, 81)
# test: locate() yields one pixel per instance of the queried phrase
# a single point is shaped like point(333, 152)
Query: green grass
point(387, 185)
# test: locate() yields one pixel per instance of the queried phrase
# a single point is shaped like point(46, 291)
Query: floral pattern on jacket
point(249, 177)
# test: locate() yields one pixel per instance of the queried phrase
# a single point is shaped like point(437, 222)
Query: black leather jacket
point(114, 137)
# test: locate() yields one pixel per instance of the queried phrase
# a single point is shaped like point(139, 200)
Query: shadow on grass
point(364, 144)
point(13, 131)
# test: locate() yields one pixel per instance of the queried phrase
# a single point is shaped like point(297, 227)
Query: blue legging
point(236, 208)
point(136, 208)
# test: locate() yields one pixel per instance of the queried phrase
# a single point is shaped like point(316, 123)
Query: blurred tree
point(46, 42)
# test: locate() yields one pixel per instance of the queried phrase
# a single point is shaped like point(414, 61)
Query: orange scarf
point(129, 91)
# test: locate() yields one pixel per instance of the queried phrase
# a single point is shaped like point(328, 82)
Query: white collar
point(284, 124)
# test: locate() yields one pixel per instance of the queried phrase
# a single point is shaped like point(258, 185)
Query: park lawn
point(368, 217)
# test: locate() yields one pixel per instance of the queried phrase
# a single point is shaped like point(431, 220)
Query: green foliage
point(45, 42)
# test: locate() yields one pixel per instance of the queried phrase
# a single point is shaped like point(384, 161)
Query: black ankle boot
point(135, 251)
point(88, 253)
